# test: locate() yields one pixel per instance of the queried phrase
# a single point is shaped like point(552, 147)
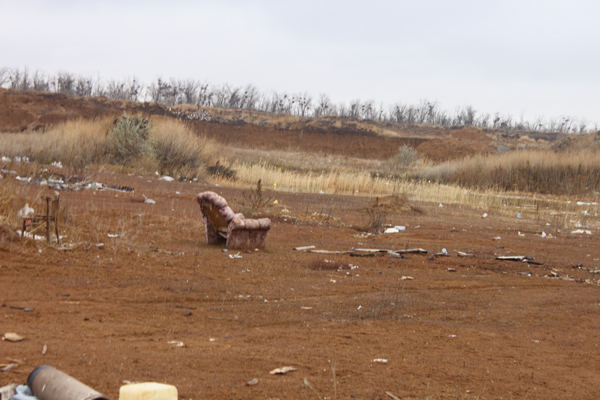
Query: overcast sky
point(520, 57)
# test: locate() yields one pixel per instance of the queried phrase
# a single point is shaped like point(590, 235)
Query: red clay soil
point(489, 330)
point(457, 144)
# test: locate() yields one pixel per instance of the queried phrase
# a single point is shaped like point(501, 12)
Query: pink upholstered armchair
point(222, 225)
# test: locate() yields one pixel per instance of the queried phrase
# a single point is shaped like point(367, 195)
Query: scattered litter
point(276, 202)
point(7, 392)
point(497, 238)
point(177, 343)
point(306, 308)
point(26, 212)
point(519, 215)
point(8, 367)
point(440, 205)
point(463, 254)
point(400, 227)
point(408, 251)
point(581, 231)
point(445, 251)
point(329, 252)
point(166, 178)
point(44, 349)
point(282, 370)
point(391, 230)
point(484, 215)
point(302, 248)
point(392, 396)
point(521, 234)
point(543, 234)
point(380, 360)
point(57, 164)
point(149, 201)
point(211, 339)
point(26, 309)
point(451, 269)
point(252, 382)
point(525, 273)
point(146, 390)
point(111, 235)
point(13, 337)
point(22, 392)
point(362, 255)
point(359, 307)
point(406, 278)
point(237, 255)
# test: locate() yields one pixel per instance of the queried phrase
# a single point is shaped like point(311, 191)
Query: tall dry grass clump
point(178, 151)
point(76, 142)
point(538, 171)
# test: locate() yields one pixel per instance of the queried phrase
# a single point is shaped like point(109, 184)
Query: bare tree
point(20, 80)
point(303, 104)
point(249, 97)
point(4, 76)
point(157, 91)
point(63, 82)
point(84, 86)
point(188, 91)
point(40, 82)
point(324, 106)
point(133, 87)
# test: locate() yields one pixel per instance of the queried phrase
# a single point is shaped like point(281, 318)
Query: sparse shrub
point(253, 201)
point(129, 140)
point(406, 157)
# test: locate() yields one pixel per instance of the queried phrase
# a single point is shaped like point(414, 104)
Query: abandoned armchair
point(222, 225)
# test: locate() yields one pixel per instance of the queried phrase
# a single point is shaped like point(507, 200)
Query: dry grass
point(173, 148)
point(537, 171)
point(77, 142)
point(561, 209)
point(179, 152)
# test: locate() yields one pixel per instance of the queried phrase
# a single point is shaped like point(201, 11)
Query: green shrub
point(129, 140)
point(406, 157)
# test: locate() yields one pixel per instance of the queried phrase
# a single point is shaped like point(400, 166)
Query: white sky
point(519, 57)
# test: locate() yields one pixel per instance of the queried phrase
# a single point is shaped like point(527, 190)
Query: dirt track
point(485, 331)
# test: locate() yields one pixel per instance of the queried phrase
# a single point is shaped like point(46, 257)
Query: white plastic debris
point(282, 370)
point(166, 178)
point(149, 201)
point(391, 230)
point(23, 392)
point(57, 164)
point(381, 360)
point(26, 212)
point(544, 234)
point(400, 227)
point(484, 215)
point(581, 231)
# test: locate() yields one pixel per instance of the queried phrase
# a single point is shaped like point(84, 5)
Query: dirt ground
point(489, 330)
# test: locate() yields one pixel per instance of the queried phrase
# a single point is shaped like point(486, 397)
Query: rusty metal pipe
point(48, 383)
